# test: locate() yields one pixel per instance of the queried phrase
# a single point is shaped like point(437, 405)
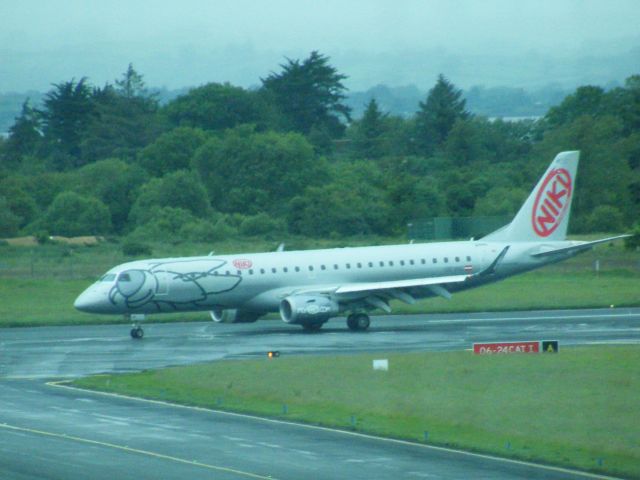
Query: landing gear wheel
point(312, 327)
point(358, 321)
point(137, 333)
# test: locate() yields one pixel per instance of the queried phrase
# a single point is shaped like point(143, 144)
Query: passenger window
point(457, 259)
point(273, 270)
point(227, 272)
point(370, 264)
point(391, 263)
point(322, 267)
point(446, 260)
point(468, 259)
point(250, 272)
point(285, 269)
point(359, 265)
point(335, 266)
point(423, 261)
point(348, 265)
point(311, 268)
point(402, 263)
point(239, 272)
point(382, 264)
point(297, 269)
point(435, 260)
point(262, 271)
point(411, 262)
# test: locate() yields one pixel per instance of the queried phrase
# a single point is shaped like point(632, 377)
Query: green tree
point(437, 115)
point(310, 94)
point(181, 189)
point(369, 132)
point(124, 120)
point(625, 103)
point(249, 172)
point(587, 100)
point(18, 200)
point(68, 109)
point(114, 183)
point(500, 201)
point(353, 203)
point(72, 214)
point(24, 136)
point(131, 85)
point(172, 150)
point(464, 143)
point(216, 106)
point(412, 197)
point(606, 219)
point(9, 221)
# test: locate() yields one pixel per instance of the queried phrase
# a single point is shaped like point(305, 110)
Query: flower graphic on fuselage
point(167, 284)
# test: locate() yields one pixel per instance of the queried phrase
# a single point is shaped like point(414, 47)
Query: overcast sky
point(398, 42)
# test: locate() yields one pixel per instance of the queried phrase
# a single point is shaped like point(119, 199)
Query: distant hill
point(490, 102)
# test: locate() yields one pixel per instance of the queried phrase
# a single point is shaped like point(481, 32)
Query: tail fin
point(545, 214)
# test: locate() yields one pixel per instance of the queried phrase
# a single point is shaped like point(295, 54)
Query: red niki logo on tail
point(551, 202)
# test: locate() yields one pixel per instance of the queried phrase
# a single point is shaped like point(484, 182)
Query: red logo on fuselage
point(551, 202)
point(242, 263)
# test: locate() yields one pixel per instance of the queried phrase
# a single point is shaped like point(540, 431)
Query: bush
point(134, 248)
point(605, 218)
point(633, 242)
point(72, 215)
point(204, 231)
point(261, 224)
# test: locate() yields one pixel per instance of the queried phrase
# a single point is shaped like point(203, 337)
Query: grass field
point(578, 408)
point(39, 284)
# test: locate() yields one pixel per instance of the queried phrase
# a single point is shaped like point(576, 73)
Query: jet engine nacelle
point(304, 309)
point(233, 316)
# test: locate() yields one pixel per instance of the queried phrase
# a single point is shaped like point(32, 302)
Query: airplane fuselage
point(258, 282)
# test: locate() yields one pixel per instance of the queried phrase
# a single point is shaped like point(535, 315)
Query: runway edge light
point(273, 354)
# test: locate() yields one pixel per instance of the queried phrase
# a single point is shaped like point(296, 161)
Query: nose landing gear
point(136, 332)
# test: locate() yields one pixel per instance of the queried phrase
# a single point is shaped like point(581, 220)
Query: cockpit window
point(124, 277)
point(109, 277)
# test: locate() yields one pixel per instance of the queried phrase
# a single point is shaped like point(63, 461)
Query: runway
point(52, 432)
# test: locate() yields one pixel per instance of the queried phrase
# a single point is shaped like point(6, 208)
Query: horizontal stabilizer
point(577, 247)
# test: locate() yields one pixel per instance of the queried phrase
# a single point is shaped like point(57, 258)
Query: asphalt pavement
point(48, 431)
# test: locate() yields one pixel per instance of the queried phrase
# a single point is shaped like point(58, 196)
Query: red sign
point(506, 347)
point(551, 202)
point(242, 263)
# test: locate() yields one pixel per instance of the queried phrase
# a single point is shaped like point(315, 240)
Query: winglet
point(492, 268)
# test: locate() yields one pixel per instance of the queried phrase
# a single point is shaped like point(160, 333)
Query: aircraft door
point(163, 280)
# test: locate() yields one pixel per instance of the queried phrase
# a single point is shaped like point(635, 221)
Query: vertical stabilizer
point(545, 214)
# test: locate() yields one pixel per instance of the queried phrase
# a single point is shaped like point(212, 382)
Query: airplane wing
point(416, 282)
point(377, 294)
point(578, 247)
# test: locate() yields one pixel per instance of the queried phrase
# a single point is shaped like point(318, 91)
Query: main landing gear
point(358, 322)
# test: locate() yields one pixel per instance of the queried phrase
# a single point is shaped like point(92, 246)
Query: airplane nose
point(83, 302)
point(91, 301)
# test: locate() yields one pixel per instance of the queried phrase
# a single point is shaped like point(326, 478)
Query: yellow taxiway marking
point(134, 450)
point(64, 384)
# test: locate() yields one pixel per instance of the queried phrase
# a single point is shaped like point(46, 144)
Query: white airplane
point(309, 287)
